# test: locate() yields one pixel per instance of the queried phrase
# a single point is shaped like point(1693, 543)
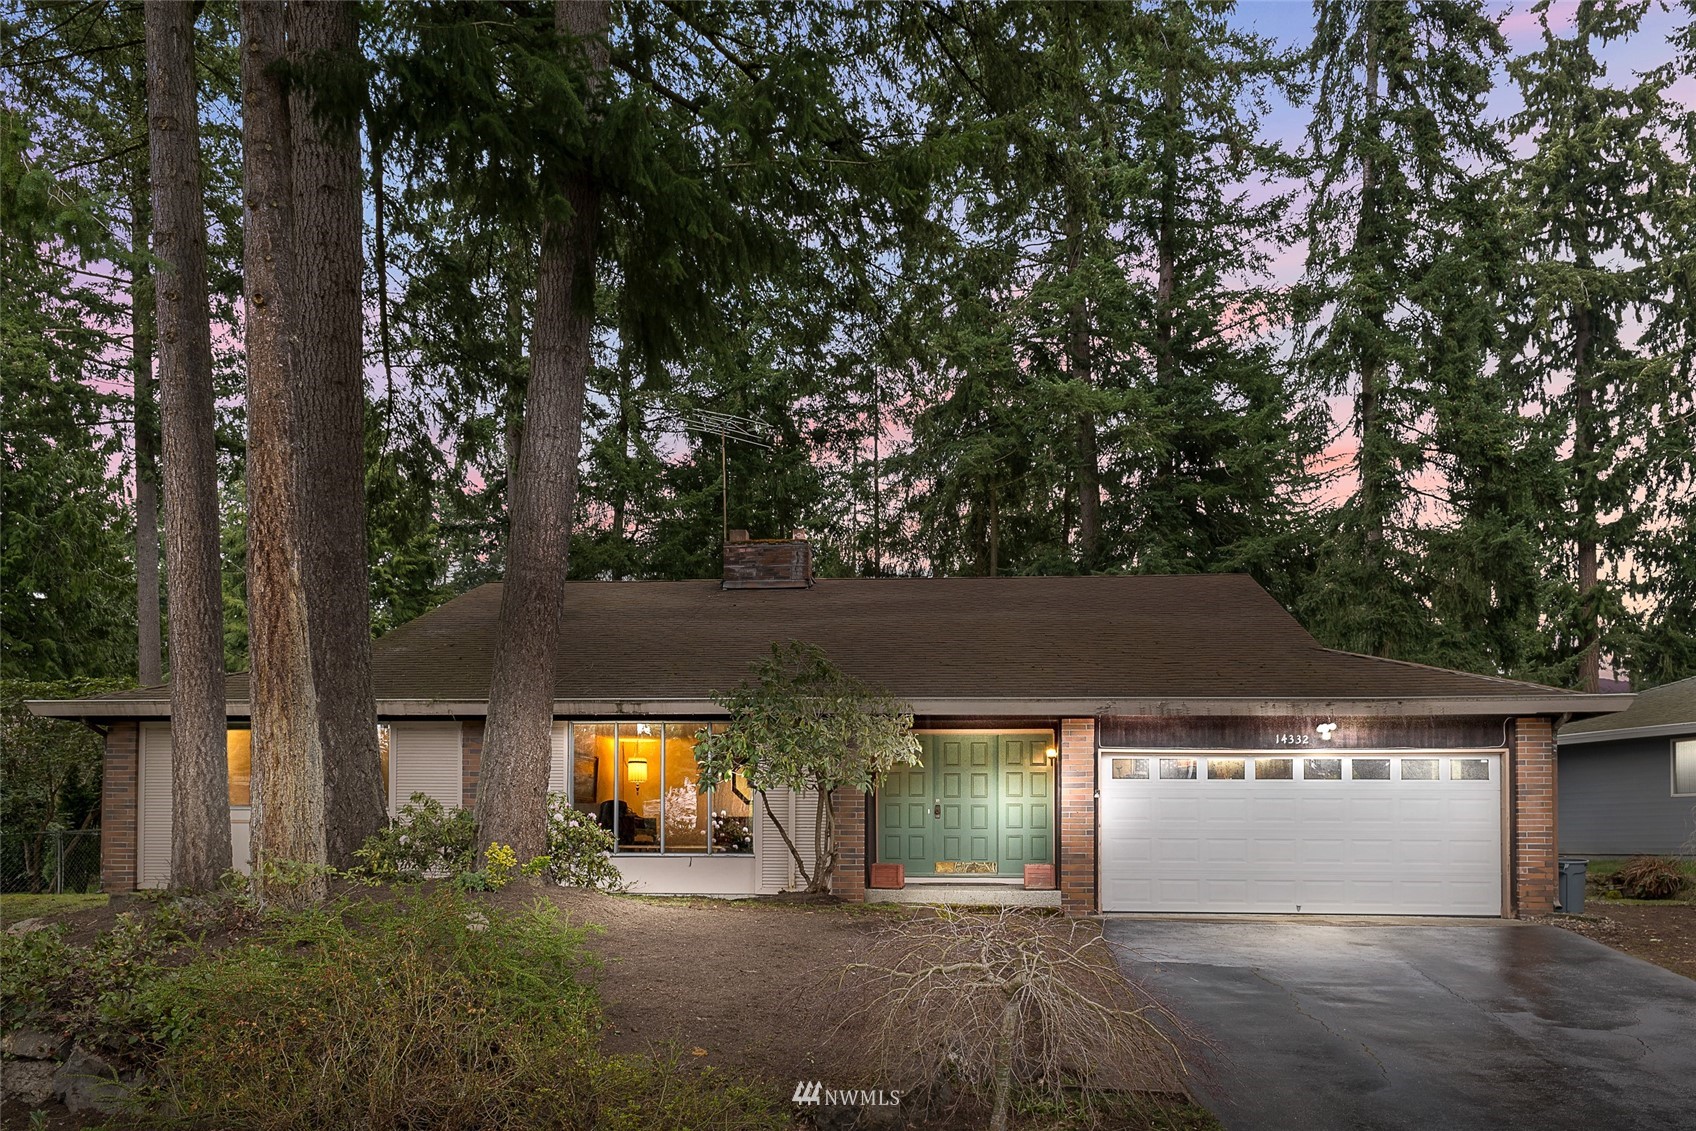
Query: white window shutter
point(774, 866)
point(153, 848)
point(426, 758)
point(559, 768)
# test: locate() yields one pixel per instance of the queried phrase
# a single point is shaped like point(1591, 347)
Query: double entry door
point(977, 804)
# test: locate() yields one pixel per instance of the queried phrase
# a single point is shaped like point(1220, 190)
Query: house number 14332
point(1293, 739)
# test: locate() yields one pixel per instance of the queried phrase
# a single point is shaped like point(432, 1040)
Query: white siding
point(559, 769)
point(153, 840)
point(774, 867)
point(426, 758)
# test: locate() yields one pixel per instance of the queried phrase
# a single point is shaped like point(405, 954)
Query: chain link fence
point(53, 861)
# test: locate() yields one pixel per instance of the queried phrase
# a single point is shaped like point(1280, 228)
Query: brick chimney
point(767, 563)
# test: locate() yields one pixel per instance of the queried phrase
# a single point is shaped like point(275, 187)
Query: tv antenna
point(727, 426)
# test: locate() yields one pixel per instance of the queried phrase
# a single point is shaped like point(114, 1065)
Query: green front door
point(978, 804)
point(963, 838)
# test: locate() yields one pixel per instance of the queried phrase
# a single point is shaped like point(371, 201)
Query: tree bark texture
point(288, 756)
point(1078, 368)
point(1372, 461)
point(330, 400)
point(149, 619)
point(1584, 445)
point(512, 794)
point(200, 838)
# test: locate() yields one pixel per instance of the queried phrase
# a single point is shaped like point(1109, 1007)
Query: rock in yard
point(30, 1082)
point(25, 926)
point(87, 1083)
point(34, 1044)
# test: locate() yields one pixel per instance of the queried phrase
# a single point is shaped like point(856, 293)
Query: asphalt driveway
point(1488, 1025)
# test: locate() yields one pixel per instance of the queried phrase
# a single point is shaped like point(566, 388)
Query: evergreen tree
point(330, 397)
point(58, 321)
point(1215, 483)
point(1603, 222)
point(1095, 385)
point(1398, 142)
point(200, 829)
point(288, 823)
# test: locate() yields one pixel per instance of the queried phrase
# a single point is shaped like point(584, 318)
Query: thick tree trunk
point(512, 795)
point(149, 646)
point(330, 398)
point(200, 837)
point(1078, 367)
point(288, 755)
point(1372, 461)
point(1584, 444)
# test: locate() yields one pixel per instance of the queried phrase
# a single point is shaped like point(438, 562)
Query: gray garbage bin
point(1571, 889)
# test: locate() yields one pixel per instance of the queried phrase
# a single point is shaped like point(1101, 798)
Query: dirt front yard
point(1662, 933)
point(748, 987)
point(755, 988)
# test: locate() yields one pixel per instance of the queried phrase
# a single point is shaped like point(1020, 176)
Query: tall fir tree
point(1397, 141)
point(1602, 218)
point(200, 826)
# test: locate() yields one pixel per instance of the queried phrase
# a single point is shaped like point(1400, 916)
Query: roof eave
point(1663, 730)
point(1530, 704)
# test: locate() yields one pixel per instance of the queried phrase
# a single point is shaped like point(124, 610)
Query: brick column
point(848, 811)
point(1533, 817)
point(470, 760)
point(1077, 816)
point(121, 770)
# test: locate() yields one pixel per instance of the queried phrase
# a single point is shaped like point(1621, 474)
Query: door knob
point(936, 811)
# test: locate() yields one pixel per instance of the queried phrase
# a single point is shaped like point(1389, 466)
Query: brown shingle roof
point(1120, 644)
point(1668, 709)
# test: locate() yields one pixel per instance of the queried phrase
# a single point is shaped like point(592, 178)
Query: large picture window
point(641, 782)
point(238, 758)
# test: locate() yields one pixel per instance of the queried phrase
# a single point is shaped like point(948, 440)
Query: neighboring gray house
point(1628, 781)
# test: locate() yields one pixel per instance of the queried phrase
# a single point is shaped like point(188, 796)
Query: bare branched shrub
point(1651, 877)
point(1011, 1004)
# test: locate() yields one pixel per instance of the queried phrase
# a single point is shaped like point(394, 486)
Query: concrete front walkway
point(1463, 1025)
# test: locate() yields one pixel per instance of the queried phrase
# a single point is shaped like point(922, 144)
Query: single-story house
point(1628, 781)
point(1164, 743)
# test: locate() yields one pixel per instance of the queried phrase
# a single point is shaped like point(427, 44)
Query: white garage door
point(1354, 834)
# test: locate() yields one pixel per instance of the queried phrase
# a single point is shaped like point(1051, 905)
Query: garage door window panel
point(1469, 769)
point(1177, 769)
point(1225, 769)
point(1274, 769)
point(1322, 769)
point(1420, 769)
point(1130, 769)
point(1369, 769)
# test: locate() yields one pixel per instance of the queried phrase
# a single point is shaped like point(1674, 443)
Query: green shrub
point(416, 1010)
point(426, 839)
point(91, 991)
point(410, 1008)
point(580, 849)
point(1650, 877)
point(420, 1010)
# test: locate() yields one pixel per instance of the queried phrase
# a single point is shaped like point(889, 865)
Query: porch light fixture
point(636, 771)
point(1052, 753)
